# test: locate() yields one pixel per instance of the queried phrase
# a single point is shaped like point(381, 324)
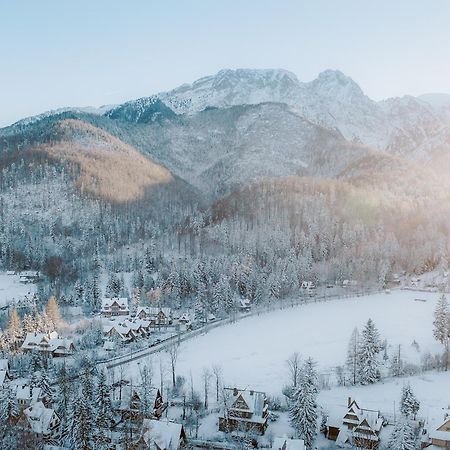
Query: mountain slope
point(333, 100)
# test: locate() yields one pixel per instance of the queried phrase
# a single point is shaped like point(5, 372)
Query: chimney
point(235, 392)
point(349, 402)
point(251, 392)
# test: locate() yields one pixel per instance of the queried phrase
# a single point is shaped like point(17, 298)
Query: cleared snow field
point(11, 289)
point(253, 351)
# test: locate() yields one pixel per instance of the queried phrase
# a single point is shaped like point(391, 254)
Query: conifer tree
point(442, 326)
point(53, 313)
point(409, 405)
point(79, 425)
point(353, 356)
point(303, 406)
point(370, 348)
point(103, 411)
point(14, 330)
point(403, 436)
point(46, 389)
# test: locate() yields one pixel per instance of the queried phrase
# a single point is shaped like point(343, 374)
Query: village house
point(43, 421)
point(127, 330)
point(29, 276)
point(284, 443)
point(117, 332)
point(437, 434)
point(160, 435)
point(244, 305)
point(112, 307)
point(248, 411)
point(308, 286)
point(185, 321)
point(358, 427)
point(48, 344)
point(130, 401)
point(157, 316)
point(26, 395)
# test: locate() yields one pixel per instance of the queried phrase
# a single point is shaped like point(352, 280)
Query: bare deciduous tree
point(173, 354)
point(293, 364)
point(206, 375)
point(217, 372)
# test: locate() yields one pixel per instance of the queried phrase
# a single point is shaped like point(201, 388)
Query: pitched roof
point(47, 341)
point(254, 402)
point(107, 302)
point(162, 433)
point(39, 417)
point(128, 392)
point(283, 443)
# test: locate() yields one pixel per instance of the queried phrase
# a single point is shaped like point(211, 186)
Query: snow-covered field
point(11, 289)
point(253, 351)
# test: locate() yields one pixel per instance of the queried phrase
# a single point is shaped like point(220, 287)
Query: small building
point(160, 435)
point(284, 443)
point(156, 316)
point(29, 276)
point(308, 286)
point(131, 401)
point(48, 344)
point(26, 395)
point(437, 434)
point(245, 305)
point(43, 421)
point(117, 332)
point(358, 427)
point(248, 411)
point(116, 306)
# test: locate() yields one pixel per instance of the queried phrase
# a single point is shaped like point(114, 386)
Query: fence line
point(257, 310)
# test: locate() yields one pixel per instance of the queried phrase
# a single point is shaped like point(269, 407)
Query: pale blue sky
point(57, 53)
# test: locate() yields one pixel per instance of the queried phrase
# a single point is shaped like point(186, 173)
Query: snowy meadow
point(253, 351)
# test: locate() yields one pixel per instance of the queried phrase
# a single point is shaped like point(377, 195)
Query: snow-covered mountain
point(333, 100)
point(239, 126)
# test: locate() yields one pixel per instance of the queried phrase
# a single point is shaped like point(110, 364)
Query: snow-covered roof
point(26, 393)
point(163, 434)
point(244, 303)
point(121, 302)
point(185, 317)
point(283, 443)
point(49, 342)
point(29, 274)
point(442, 431)
point(39, 417)
point(36, 338)
point(255, 401)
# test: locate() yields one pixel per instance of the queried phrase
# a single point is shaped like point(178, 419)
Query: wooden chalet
point(248, 411)
point(358, 427)
point(131, 402)
point(156, 316)
point(42, 421)
point(116, 306)
point(439, 435)
point(48, 344)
